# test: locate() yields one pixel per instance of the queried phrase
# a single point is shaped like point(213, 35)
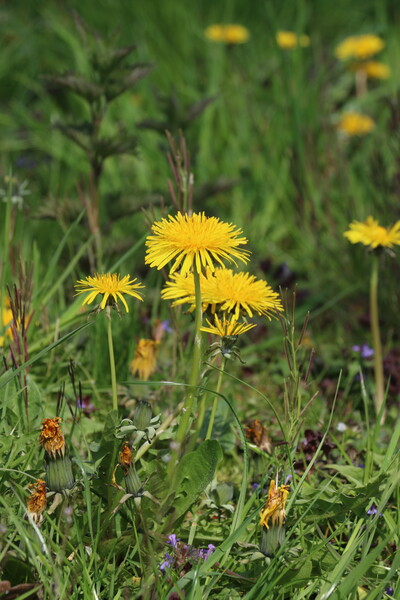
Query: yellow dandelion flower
point(51, 437)
point(370, 233)
point(194, 240)
point(372, 69)
point(224, 327)
point(233, 292)
point(274, 508)
point(353, 123)
point(145, 360)
point(6, 317)
point(37, 501)
point(289, 40)
point(111, 286)
point(359, 47)
point(227, 34)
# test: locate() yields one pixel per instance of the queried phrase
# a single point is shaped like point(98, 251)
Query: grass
point(260, 126)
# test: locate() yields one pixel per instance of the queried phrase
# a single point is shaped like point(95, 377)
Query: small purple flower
point(173, 540)
point(166, 326)
point(204, 554)
point(255, 486)
point(364, 350)
point(166, 564)
point(389, 591)
point(373, 509)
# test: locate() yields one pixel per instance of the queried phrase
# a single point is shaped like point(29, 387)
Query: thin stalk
point(112, 363)
point(215, 402)
point(376, 336)
point(196, 363)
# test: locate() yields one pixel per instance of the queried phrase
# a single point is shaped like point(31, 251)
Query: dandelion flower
point(51, 437)
point(227, 327)
point(359, 47)
point(145, 360)
point(6, 317)
point(194, 240)
point(372, 69)
point(289, 40)
point(37, 501)
point(59, 474)
point(227, 34)
point(274, 508)
point(353, 123)
point(110, 286)
point(371, 234)
point(125, 457)
point(234, 292)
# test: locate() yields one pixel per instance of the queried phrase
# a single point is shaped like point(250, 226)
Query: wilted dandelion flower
point(372, 69)
point(371, 234)
point(353, 123)
point(227, 34)
point(51, 437)
point(59, 474)
point(37, 501)
point(227, 327)
point(359, 47)
point(145, 360)
point(194, 241)
point(274, 508)
point(288, 40)
point(110, 286)
point(228, 291)
point(133, 485)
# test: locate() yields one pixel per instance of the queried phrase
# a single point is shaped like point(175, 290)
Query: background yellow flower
point(353, 123)
point(370, 233)
point(227, 34)
point(359, 47)
point(288, 40)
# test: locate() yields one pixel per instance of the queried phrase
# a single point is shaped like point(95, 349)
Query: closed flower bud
point(142, 415)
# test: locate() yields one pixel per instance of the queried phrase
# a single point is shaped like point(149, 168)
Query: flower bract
point(359, 47)
point(353, 123)
point(194, 241)
point(288, 40)
point(227, 34)
point(145, 360)
point(110, 286)
point(371, 234)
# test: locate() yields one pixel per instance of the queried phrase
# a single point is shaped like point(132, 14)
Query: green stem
point(112, 363)
point(215, 402)
point(376, 337)
point(196, 363)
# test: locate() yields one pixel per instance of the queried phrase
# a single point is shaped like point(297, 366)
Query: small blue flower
point(166, 564)
point(364, 350)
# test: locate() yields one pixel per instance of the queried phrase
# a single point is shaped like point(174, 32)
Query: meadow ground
point(199, 291)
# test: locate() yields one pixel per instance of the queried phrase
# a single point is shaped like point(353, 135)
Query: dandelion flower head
point(125, 457)
point(145, 360)
point(359, 47)
point(226, 327)
point(194, 241)
point(289, 40)
point(227, 34)
point(372, 69)
point(37, 501)
point(353, 123)
point(110, 286)
point(51, 437)
point(371, 234)
point(274, 508)
point(233, 292)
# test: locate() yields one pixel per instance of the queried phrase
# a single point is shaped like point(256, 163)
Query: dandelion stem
point(376, 337)
point(112, 363)
point(196, 362)
point(215, 402)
